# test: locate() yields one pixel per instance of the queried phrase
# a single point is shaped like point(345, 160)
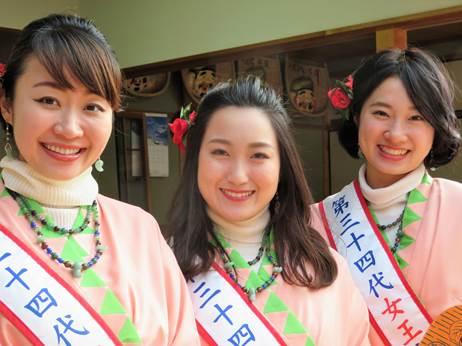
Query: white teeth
point(237, 194)
point(398, 152)
point(59, 150)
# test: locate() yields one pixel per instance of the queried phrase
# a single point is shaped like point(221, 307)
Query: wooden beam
point(299, 42)
point(390, 38)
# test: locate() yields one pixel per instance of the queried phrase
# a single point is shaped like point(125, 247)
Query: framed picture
point(306, 85)
point(266, 68)
point(157, 144)
point(200, 79)
point(147, 86)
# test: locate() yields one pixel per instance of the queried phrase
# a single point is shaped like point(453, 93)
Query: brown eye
point(47, 100)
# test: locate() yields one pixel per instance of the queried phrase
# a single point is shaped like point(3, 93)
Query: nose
point(237, 174)
point(68, 124)
point(396, 132)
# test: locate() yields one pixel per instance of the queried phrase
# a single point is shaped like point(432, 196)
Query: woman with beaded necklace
point(76, 268)
point(397, 227)
point(239, 229)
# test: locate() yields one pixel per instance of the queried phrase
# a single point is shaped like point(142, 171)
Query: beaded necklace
point(399, 232)
point(230, 268)
point(34, 220)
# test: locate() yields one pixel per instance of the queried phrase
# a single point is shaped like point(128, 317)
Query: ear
point(6, 108)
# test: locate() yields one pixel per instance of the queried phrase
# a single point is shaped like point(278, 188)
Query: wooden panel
point(390, 38)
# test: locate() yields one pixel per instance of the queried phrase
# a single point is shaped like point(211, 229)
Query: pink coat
point(137, 266)
point(333, 316)
point(435, 258)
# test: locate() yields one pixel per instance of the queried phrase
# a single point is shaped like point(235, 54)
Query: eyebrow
point(251, 145)
point(51, 84)
point(386, 105)
point(380, 104)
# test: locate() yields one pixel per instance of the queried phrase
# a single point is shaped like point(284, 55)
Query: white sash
point(43, 306)
point(396, 313)
point(224, 314)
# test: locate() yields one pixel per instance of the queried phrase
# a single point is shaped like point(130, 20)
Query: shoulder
point(449, 185)
point(127, 218)
point(108, 204)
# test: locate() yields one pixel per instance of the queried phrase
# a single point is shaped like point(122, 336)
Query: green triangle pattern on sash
point(238, 261)
point(416, 197)
point(309, 342)
point(111, 305)
point(50, 234)
point(401, 262)
point(409, 217)
point(73, 252)
point(128, 333)
point(78, 219)
point(4, 193)
point(79, 222)
point(34, 205)
point(91, 279)
point(426, 179)
point(293, 325)
point(274, 304)
point(263, 274)
point(405, 241)
point(253, 281)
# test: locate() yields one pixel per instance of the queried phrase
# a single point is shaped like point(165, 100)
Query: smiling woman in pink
point(257, 273)
point(76, 268)
point(397, 227)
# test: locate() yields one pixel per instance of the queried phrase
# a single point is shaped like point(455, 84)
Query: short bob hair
point(67, 43)
point(298, 247)
point(427, 84)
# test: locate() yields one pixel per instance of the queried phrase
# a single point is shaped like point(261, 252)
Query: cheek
point(100, 131)
point(367, 131)
point(267, 177)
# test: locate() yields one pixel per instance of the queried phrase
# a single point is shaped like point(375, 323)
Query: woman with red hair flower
point(398, 228)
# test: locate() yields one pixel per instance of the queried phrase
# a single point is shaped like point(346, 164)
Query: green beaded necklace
point(35, 220)
point(230, 268)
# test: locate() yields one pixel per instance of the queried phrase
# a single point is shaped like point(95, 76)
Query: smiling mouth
point(237, 195)
point(61, 150)
point(394, 152)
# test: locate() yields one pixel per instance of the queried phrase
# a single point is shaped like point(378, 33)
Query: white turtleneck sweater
point(244, 236)
point(61, 199)
point(389, 202)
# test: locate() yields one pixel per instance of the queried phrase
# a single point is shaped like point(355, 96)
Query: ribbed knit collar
point(394, 193)
point(21, 178)
point(244, 232)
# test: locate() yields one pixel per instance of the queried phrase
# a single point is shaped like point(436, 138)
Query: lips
point(237, 195)
point(62, 150)
point(393, 151)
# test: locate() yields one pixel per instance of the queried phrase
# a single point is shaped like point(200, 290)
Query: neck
point(242, 232)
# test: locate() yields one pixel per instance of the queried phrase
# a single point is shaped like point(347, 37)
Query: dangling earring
point(8, 147)
point(360, 153)
point(99, 165)
point(277, 203)
point(430, 162)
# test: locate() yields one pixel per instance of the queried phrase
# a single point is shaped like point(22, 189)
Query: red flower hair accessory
point(181, 125)
point(2, 72)
point(341, 95)
point(2, 69)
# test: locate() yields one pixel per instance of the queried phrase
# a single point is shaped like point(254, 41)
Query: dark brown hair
point(67, 43)
point(428, 86)
point(297, 245)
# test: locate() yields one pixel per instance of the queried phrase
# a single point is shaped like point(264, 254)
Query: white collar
point(383, 197)
point(21, 178)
